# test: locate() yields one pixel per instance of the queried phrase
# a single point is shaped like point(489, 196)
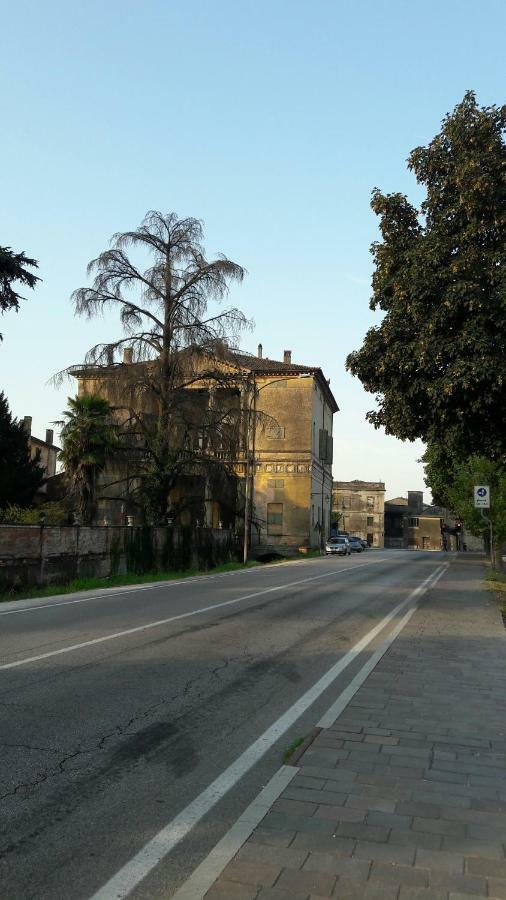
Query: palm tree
point(89, 438)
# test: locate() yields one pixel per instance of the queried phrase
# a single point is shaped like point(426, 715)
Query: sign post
point(481, 502)
point(482, 496)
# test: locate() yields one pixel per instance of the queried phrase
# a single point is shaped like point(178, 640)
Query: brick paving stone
point(349, 889)
point(473, 847)
point(321, 756)
point(464, 896)
point(385, 852)
point(388, 820)
point(287, 857)
point(312, 882)
point(398, 874)
point(362, 832)
point(340, 813)
point(287, 822)
point(337, 865)
point(280, 894)
point(440, 859)
point(317, 797)
point(470, 884)
point(418, 808)
point(314, 784)
point(491, 868)
point(254, 872)
point(439, 826)
point(273, 838)
point(408, 892)
point(227, 890)
point(327, 772)
point(370, 803)
point(324, 843)
point(297, 807)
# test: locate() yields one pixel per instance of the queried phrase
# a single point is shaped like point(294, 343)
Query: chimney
point(415, 502)
point(49, 436)
point(27, 425)
point(128, 355)
point(260, 351)
point(287, 357)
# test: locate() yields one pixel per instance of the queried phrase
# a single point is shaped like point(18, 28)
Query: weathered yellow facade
point(359, 508)
point(281, 462)
point(292, 484)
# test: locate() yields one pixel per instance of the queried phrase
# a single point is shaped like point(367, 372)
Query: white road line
point(186, 615)
point(109, 593)
point(212, 866)
point(128, 877)
point(204, 876)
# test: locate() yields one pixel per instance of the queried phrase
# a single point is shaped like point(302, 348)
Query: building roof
point(262, 365)
point(40, 443)
point(265, 365)
point(397, 501)
point(248, 362)
point(357, 485)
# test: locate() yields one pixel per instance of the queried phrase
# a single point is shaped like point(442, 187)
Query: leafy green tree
point(13, 268)
point(437, 360)
point(460, 497)
point(20, 476)
point(89, 439)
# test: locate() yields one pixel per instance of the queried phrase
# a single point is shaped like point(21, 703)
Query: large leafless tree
point(173, 327)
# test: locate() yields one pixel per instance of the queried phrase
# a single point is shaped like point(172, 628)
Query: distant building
point(47, 451)
point(411, 525)
point(358, 508)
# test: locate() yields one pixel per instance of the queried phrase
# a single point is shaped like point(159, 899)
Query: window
point(370, 520)
point(370, 502)
point(413, 522)
point(274, 518)
point(312, 515)
point(314, 436)
point(276, 482)
point(325, 446)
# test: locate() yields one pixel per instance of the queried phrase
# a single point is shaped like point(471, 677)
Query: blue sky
point(271, 121)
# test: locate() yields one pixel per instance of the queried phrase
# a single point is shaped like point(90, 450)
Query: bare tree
point(172, 332)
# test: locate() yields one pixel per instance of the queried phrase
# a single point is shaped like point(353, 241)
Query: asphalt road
point(104, 743)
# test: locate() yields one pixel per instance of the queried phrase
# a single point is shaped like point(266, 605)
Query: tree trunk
point(497, 553)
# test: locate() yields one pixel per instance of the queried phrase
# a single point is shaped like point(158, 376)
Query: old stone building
point(411, 525)
point(46, 450)
point(358, 509)
point(291, 441)
point(274, 451)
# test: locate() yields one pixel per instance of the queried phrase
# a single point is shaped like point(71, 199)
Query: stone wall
point(43, 555)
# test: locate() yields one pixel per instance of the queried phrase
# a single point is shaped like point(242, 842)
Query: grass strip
point(94, 584)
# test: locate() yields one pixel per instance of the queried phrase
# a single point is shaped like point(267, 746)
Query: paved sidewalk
point(405, 796)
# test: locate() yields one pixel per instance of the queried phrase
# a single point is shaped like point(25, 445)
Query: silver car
point(337, 546)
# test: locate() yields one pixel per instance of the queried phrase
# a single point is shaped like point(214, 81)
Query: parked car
point(337, 546)
point(355, 544)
